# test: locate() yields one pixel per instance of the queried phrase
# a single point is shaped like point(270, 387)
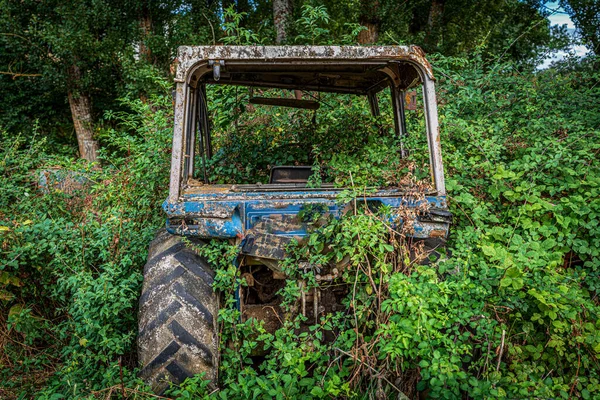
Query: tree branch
point(16, 75)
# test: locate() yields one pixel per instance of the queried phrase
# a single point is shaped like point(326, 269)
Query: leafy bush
point(71, 256)
point(512, 313)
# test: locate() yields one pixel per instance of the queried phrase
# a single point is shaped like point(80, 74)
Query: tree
point(457, 27)
point(74, 45)
point(585, 14)
point(434, 20)
point(65, 63)
point(81, 112)
point(282, 12)
point(145, 18)
point(371, 20)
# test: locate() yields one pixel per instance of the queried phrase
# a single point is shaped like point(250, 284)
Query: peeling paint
point(190, 56)
point(242, 211)
point(230, 215)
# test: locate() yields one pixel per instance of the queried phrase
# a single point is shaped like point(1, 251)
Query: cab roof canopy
point(341, 69)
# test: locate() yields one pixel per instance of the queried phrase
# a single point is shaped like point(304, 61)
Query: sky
point(562, 18)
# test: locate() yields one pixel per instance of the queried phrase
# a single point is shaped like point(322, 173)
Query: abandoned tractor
point(178, 307)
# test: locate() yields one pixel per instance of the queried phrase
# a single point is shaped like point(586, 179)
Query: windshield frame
point(193, 74)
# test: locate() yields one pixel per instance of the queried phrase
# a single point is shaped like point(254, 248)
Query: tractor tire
point(177, 323)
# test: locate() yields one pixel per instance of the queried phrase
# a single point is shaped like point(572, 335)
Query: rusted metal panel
point(231, 192)
point(269, 211)
point(204, 209)
point(177, 149)
point(206, 228)
point(433, 136)
point(190, 56)
point(276, 214)
point(424, 230)
point(265, 245)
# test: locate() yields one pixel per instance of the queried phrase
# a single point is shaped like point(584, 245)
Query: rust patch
point(279, 275)
point(265, 245)
point(192, 57)
point(437, 233)
point(410, 100)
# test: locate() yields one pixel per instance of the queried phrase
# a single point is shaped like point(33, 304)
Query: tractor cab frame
point(197, 208)
point(178, 325)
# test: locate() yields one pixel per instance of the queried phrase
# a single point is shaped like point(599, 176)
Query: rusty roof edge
point(190, 56)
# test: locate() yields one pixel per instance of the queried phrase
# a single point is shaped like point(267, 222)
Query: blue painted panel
point(227, 215)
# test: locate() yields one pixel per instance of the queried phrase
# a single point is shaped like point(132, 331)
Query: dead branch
point(371, 368)
point(16, 75)
point(501, 351)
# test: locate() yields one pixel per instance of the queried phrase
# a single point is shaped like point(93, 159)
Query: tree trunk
point(282, 10)
point(369, 18)
point(146, 27)
point(369, 35)
point(433, 23)
point(435, 13)
point(81, 111)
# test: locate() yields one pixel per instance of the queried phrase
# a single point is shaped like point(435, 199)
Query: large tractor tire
point(178, 315)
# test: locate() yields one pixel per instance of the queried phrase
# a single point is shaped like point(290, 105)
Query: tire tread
point(177, 318)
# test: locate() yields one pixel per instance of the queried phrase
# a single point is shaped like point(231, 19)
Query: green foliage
point(312, 25)
point(586, 16)
point(236, 34)
point(511, 313)
point(72, 255)
point(112, 44)
point(248, 140)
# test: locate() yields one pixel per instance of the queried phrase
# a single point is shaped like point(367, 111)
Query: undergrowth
point(511, 313)
point(72, 252)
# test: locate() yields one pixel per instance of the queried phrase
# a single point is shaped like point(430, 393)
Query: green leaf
point(317, 391)
point(513, 272)
point(489, 251)
point(505, 282)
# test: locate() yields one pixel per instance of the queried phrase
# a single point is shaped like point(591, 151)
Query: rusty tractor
point(178, 307)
